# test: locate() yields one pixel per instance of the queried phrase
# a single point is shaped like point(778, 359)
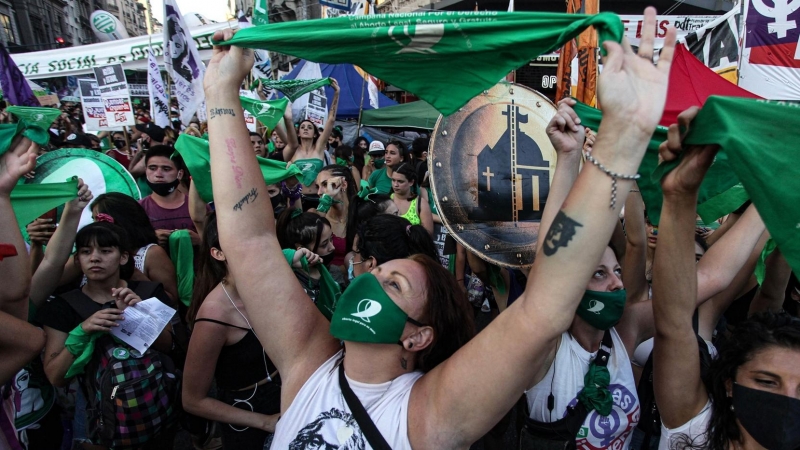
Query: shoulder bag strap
point(374, 437)
point(81, 303)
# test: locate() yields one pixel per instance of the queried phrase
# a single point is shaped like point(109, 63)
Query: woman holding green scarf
point(306, 150)
point(345, 157)
point(309, 231)
point(409, 378)
point(336, 188)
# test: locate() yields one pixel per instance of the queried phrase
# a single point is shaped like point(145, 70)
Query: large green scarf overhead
point(720, 194)
point(269, 113)
point(759, 139)
point(30, 201)
point(196, 155)
point(443, 57)
point(293, 89)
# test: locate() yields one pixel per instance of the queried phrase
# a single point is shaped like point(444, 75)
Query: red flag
point(564, 74)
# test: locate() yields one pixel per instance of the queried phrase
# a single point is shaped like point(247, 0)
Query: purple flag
point(15, 88)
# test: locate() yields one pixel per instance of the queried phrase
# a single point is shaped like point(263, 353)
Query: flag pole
point(361, 105)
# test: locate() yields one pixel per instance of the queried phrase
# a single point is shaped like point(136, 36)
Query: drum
point(491, 165)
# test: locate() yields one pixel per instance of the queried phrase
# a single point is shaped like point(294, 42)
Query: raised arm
point(322, 141)
point(16, 162)
point(288, 134)
point(725, 258)
point(495, 367)
point(771, 295)
point(634, 265)
point(567, 136)
point(290, 328)
point(197, 208)
point(48, 274)
point(676, 366)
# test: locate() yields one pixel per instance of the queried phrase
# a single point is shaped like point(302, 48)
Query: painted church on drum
point(513, 176)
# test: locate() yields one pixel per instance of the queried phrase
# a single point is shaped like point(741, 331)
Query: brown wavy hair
point(447, 311)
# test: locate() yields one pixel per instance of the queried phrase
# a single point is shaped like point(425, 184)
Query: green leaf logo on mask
point(367, 308)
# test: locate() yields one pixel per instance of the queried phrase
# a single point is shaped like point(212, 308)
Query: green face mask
point(379, 162)
point(602, 310)
point(365, 313)
point(341, 162)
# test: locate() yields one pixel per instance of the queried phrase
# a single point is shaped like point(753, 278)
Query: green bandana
point(8, 131)
point(365, 191)
point(329, 290)
point(757, 137)
point(181, 253)
point(602, 310)
point(484, 46)
point(196, 155)
point(36, 121)
point(595, 394)
point(81, 345)
point(310, 168)
point(30, 201)
point(341, 162)
point(365, 313)
point(269, 113)
point(720, 193)
point(293, 89)
point(325, 203)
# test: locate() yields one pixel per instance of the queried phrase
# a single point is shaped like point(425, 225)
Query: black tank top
point(240, 365)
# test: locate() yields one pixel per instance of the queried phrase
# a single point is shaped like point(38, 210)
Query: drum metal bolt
point(538, 104)
point(485, 92)
point(438, 164)
point(460, 227)
point(444, 199)
point(511, 91)
point(486, 247)
point(519, 255)
point(444, 133)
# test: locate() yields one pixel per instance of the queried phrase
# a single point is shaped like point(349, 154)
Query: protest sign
point(92, 105)
point(114, 95)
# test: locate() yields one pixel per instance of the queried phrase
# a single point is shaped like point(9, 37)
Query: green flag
point(443, 57)
point(293, 89)
point(269, 112)
point(758, 138)
point(719, 194)
point(36, 121)
point(30, 201)
point(260, 12)
point(196, 155)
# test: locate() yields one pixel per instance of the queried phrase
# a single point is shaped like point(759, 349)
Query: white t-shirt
point(320, 418)
point(692, 432)
point(567, 375)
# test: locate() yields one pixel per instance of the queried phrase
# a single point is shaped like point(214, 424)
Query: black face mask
point(119, 143)
point(772, 419)
point(163, 189)
point(327, 259)
point(334, 144)
point(276, 200)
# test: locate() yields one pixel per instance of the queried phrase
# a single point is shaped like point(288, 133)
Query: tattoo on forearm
point(250, 197)
point(560, 233)
point(54, 355)
point(238, 172)
point(214, 112)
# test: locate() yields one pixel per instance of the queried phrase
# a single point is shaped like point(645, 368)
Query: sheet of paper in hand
point(143, 323)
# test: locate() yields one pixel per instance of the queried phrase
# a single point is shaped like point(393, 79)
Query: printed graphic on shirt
point(331, 430)
point(610, 432)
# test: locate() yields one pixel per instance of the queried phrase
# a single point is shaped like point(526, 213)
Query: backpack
point(130, 397)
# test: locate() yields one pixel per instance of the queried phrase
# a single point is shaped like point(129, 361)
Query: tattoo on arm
point(214, 112)
point(250, 197)
point(238, 172)
point(560, 233)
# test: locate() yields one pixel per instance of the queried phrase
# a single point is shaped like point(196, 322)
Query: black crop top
point(240, 365)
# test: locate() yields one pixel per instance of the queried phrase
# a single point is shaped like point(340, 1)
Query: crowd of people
point(318, 312)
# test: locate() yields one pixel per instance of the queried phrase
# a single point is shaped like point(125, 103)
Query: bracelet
point(634, 190)
point(613, 176)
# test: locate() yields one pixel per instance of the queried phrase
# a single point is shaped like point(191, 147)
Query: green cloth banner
point(443, 57)
point(36, 121)
point(181, 253)
point(196, 155)
point(293, 89)
point(329, 290)
point(758, 138)
point(30, 201)
point(720, 193)
point(269, 112)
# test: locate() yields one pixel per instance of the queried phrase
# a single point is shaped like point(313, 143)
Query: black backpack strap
point(81, 303)
point(371, 432)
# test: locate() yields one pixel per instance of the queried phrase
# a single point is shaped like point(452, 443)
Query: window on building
point(5, 21)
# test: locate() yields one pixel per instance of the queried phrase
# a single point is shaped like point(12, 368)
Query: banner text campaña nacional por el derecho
point(131, 53)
